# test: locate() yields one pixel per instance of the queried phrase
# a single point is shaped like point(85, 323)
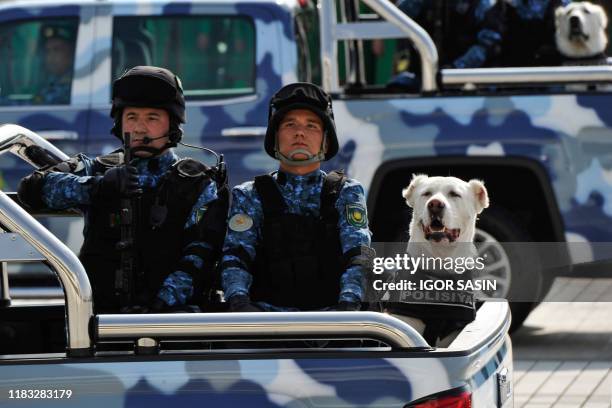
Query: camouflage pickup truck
point(540, 138)
point(59, 354)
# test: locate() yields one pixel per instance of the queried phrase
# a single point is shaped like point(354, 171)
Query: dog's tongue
point(437, 236)
point(436, 225)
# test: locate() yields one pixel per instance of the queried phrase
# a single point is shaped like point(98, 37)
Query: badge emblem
point(240, 223)
point(356, 215)
point(200, 213)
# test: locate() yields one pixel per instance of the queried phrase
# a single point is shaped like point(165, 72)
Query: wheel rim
point(497, 264)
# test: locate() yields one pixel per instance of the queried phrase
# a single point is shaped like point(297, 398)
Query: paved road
point(563, 353)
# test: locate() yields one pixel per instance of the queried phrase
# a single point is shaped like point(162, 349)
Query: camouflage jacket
point(69, 190)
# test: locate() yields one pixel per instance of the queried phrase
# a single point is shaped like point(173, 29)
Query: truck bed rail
point(264, 326)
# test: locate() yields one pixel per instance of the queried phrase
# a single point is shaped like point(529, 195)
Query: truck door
point(227, 59)
point(44, 81)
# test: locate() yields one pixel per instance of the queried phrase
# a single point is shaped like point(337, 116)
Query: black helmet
point(149, 87)
point(301, 95)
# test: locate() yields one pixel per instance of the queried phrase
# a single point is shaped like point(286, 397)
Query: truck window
point(213, 55)
point(38, 61)
point(308, 49)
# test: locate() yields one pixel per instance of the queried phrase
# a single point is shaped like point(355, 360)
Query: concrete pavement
point(563, 353)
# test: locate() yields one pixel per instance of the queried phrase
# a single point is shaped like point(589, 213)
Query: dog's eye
point(426, 194)
point(454, 194)
point(586, 10)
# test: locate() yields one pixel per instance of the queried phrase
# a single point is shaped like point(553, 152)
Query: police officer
point(179, 213)
point(530, 39)
point(58, 42)
point(467, 33)
point(298, 238)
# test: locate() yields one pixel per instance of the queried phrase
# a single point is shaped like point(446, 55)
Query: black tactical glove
point(348, 307)
point(242, 303)
point(120, 180)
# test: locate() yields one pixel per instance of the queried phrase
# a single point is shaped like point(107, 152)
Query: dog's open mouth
point(576, 34)
point(436, 231)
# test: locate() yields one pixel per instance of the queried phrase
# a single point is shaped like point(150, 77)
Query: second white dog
point(581, 30)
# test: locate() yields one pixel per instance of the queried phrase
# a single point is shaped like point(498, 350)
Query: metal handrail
point(16, 139)
point(397, 25)
point(79, 304)
point(70, 271)
point(271, 325)
point(521, 75)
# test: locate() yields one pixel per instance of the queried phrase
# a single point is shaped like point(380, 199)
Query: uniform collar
point(283, 178)
point(157, 163)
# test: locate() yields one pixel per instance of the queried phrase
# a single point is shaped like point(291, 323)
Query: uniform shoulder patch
point(356, 215)
point(240, 223)
point(200, 213)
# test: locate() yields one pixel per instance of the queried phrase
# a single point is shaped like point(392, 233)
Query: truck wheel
point(517, 271)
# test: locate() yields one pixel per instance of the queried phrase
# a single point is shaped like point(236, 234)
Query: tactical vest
point(160, 215)
point(299, 261)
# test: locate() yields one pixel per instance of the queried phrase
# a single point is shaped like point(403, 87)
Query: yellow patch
point(356, 215)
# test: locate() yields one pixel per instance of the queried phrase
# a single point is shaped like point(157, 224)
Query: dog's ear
point(480, 193)
point(601, 14)
point(408, 192)
point(559, 11)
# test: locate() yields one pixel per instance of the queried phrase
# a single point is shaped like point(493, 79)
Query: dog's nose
point(435, 206)
point(574, 21)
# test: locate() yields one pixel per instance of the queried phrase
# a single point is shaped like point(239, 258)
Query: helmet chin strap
point(310, 158)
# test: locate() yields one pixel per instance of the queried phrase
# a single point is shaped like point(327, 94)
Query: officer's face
point(300, 129)
point(58, 56)
point(150, 122)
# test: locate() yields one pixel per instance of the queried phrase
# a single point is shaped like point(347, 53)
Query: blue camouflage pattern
point(487, 38)
point(314, 380)
point(67, 190)
point(302, 193)
point(533, 9)
point(531, 126)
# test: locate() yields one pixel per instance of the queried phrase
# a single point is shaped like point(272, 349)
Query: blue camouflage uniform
point(470, 36)
point(302, 195)
point(70, 190)
point(55, 91)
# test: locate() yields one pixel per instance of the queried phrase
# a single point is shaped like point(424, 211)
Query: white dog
point(444, 215)
point(581, 32)
point(443, 226)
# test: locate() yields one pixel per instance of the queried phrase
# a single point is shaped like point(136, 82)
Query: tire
point(517, 269)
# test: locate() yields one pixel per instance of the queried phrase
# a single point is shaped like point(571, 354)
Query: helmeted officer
point(298, 238)
point(58, 42)
point(180, 212)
